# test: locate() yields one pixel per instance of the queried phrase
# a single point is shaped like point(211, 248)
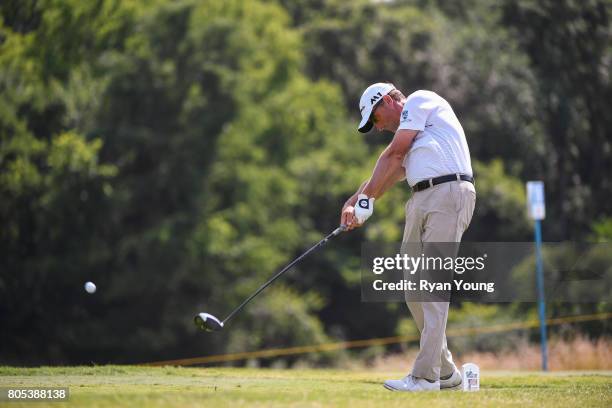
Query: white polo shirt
point(440, 147)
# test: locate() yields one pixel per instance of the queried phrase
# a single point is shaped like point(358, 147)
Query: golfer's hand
point(348, 218)
point(364, 208)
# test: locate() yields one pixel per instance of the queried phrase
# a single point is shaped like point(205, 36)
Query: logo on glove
point(364, 209)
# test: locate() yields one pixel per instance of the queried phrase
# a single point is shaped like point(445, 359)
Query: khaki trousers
point(438, 214)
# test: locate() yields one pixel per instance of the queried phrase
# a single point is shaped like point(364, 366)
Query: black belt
point(425, 184)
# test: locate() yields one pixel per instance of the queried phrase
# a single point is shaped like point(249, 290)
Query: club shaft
point(285, 269)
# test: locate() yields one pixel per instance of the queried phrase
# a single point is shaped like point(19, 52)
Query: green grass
point(128, 386)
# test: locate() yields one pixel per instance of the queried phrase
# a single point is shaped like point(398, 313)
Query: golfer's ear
point(387, 99)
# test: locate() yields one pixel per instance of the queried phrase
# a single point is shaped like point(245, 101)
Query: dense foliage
point(178, 152)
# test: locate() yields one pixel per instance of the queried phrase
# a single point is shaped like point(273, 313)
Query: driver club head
point(208, 322)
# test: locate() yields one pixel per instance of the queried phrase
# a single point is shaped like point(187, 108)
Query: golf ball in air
point(90, 287)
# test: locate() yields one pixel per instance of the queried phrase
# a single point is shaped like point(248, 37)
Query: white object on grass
point(471, 377)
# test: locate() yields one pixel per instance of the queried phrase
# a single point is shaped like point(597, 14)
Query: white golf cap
point(371, 96)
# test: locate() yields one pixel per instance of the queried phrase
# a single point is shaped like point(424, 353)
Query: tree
point(568, 44)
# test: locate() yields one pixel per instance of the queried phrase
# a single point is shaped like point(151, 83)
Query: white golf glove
point(364, 208)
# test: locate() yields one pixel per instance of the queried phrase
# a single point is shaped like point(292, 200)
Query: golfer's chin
point(388, 128)
point(392, 128)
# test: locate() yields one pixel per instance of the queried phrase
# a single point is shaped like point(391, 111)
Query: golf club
point(208, 322)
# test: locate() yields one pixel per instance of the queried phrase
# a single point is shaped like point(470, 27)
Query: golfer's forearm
point(385, 174)
point(399, 175)
point(353, 199)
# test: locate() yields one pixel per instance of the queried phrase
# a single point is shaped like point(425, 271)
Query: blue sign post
point(537, 211)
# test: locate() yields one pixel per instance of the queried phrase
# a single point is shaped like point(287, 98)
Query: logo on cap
point(375, 98)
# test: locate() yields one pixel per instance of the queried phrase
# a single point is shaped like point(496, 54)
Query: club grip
point(338, 230)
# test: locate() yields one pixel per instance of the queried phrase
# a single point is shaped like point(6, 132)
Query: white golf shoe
point(411, 383)
point(453, 382)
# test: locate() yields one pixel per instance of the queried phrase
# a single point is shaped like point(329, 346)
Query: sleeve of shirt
point(416, 110)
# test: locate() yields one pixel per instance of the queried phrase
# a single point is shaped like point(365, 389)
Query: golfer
point(430, 151)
